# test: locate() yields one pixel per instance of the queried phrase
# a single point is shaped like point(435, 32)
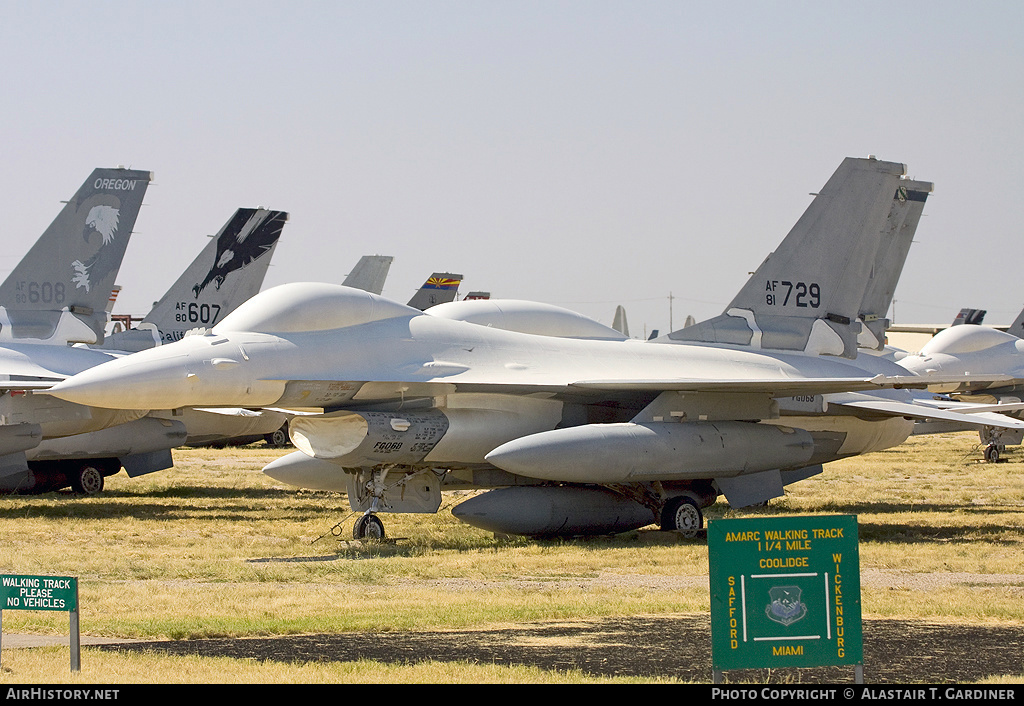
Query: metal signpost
point(44, 593)
point(785, 592)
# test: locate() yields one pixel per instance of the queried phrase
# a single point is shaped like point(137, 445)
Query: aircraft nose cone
point(182, 374)
point(115, 385)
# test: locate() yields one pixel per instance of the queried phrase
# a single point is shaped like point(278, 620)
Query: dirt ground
point(895, 652)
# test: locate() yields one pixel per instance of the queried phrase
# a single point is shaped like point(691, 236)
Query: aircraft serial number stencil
point(785, 592)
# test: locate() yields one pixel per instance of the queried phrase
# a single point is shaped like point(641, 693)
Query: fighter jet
point(972, 347)
point(78, 445)
point(576, 435)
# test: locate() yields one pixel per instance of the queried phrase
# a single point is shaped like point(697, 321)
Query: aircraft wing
point(782, 387)
point(33, 384)
point(974, 407)
point(918, 411)
point(327, 394)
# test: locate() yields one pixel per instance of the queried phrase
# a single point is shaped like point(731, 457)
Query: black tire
point(277, 438)
point(992, 453)
point(682, 515)
point(87, 479)
point(368, 527)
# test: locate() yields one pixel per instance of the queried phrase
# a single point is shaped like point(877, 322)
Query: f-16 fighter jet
point(574, 435)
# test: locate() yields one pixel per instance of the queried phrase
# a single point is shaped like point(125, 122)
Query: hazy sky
point(584, 153)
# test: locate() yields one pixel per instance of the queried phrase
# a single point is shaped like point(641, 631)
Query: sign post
point(785, 592)
point(44, 593)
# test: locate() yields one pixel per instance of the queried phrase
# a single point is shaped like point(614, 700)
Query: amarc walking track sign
point(785, 592)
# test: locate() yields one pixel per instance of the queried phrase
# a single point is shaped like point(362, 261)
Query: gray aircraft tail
point(227, 272)
point(1017, 327)
point(370, 273)
point(440, 288)
point(891, 255)
point(808, 294)
point(59, 291)
point(619, 322)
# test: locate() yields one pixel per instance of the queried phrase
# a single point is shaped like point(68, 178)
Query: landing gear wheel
point(992, 453)
point(368, 527)
point(87, 480)
point(278, 438)
point(682, 515)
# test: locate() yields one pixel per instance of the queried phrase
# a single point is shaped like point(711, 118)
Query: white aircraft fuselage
point(370, 354)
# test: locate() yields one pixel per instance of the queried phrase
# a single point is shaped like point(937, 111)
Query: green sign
point(785, 592)
point(38, 593)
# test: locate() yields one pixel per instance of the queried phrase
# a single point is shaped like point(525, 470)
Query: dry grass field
point(230, 577)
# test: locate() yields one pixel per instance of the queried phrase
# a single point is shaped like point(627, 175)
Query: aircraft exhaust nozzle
point(629, 452)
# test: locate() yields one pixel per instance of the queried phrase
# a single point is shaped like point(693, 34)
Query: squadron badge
point(785, 607)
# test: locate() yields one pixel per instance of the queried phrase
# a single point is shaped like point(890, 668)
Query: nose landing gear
point(368, 526)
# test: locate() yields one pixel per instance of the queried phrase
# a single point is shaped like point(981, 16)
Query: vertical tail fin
point(901, 225)
point(619, 322)
point(370, 273)
point(440, 287)
point(807, 295)
point(1017, 327)
point(59, 291)
point(970, 316)
point(228, 271)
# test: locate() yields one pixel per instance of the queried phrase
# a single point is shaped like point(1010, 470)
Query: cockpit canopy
point(310, 306)
point(957, 340)
point(525, 317)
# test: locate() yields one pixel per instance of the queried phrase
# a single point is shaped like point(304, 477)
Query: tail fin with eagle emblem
point(59, 291)
point(229, 270)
